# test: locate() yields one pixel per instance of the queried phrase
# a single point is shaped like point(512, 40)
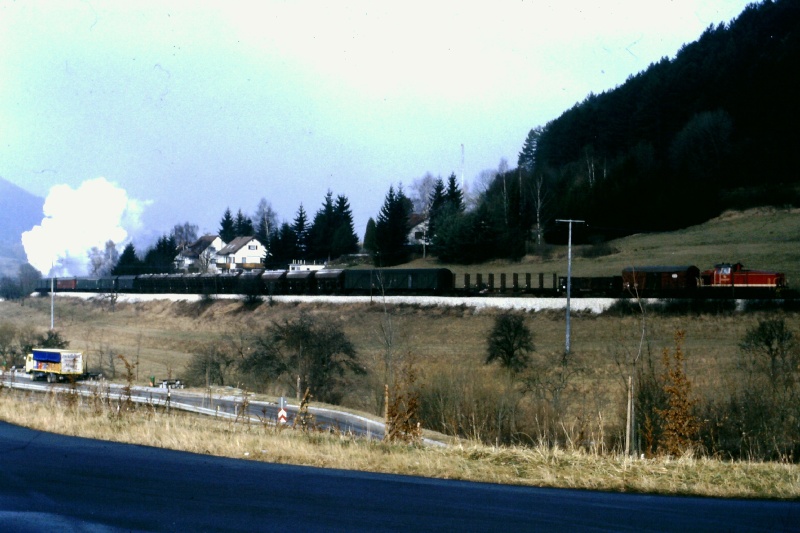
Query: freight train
point(722, 281)
point(422, 281)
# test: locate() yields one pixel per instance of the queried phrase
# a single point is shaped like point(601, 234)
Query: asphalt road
point(51, 482)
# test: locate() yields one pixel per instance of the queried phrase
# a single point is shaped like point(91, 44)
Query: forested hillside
point(714, 128)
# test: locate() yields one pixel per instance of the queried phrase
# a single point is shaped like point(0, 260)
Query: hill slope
point(763, 238)
point(19, 212)
point(712, 129)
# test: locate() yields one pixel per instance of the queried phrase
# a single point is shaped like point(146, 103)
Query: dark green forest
point(714, 128)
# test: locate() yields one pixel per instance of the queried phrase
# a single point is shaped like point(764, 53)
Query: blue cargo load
point(47, 356)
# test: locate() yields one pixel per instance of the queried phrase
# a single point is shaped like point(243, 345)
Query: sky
point(189, 108)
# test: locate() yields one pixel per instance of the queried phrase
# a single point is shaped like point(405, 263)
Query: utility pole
point(52, 303)
point(569, 272)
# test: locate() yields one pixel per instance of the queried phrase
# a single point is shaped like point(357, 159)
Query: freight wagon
point(661, 281)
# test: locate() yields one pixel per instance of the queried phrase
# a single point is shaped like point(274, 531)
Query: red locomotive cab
point(720, 275)
point(727, 275)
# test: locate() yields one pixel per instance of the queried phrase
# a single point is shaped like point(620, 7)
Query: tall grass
point(544, 466)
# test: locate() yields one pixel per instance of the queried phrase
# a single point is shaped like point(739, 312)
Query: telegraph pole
point(569, 272)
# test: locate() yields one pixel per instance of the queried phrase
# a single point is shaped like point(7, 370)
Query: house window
point(252, 247)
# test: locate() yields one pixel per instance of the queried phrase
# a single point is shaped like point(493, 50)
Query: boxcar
point(86, 284)
point(610, 287)
point(653, 281)
point(194, 283)
point(274, 282)
point(300, 282)
point(399, 281)
point(176, 283)
point(207, 284)
point(66, 284)
point(250, 283)
point(329, 281)
point(126, 284)
point(106, 284)
point(228, 283)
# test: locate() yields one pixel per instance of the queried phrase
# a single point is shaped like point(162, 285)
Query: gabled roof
point(236, 244)
point(199, 246)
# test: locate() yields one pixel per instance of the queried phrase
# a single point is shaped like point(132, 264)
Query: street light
point(569, 272)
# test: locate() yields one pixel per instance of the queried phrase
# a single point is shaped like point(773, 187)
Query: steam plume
point(75, 221)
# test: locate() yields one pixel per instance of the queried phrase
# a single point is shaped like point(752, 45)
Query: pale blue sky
point(191, 107)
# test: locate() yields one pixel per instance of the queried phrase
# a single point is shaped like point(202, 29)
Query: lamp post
point(569, 272)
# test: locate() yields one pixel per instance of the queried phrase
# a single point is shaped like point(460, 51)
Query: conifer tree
point(227, 227)
point(454, 197)
point(437, 202)
point(392, 227)
point(527, 157)
point(345, 240)
point(370, 240)
point(322, 229)
point(300, 229)
point(243, 225)
point(282, 247)
point(129, 264)
point(160, 259)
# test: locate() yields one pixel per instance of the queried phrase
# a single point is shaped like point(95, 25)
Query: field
point(447, 345)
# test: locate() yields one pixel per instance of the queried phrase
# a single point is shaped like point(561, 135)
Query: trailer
point(54, 365)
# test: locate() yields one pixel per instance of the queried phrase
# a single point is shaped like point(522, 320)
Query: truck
point(53, 364)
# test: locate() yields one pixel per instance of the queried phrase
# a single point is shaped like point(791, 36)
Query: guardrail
point(122, 396)
point(112, 391)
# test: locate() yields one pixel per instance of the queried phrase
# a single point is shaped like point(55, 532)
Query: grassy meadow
point(458, 392)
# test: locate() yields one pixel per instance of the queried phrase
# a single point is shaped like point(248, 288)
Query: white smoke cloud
point(75, 221)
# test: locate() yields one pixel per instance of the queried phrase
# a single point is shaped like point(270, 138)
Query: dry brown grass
point(162, 336)
point(537, 466)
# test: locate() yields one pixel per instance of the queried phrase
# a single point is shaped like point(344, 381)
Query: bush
point(510, 342)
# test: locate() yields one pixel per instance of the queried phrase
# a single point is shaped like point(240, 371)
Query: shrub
point(510, 342)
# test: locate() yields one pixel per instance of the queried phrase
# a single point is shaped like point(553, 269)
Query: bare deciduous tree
point(317, 351)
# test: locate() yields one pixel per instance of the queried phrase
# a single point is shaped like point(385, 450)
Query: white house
point(242, 252)
point(201, 255)
point(418, 235)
